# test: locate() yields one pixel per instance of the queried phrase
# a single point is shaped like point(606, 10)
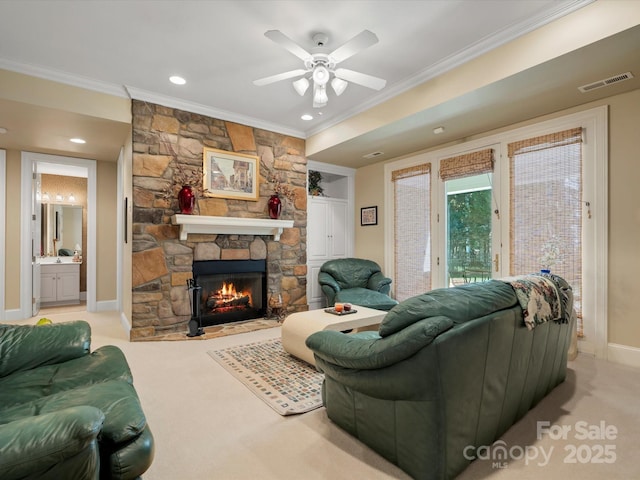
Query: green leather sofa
point(448, 371)
point(66, 412)
point(357, 281)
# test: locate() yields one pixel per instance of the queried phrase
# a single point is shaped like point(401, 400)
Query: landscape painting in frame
point(230, 175)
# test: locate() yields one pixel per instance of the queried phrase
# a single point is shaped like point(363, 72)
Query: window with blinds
point(546, 207)
point(412, 230)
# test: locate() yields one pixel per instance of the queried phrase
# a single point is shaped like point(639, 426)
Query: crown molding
point(193, 107)
point(63, 77)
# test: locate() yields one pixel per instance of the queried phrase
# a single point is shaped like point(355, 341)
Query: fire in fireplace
point(232, 290)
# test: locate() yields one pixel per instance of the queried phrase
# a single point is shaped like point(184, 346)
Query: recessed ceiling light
point(3, 130)
point(77, 140)
point(307, 117)
point(177, 80)
point(438, 130)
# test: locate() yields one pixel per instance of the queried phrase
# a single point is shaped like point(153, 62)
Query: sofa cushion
point(366, 297)
point(117, 399)
point(461, 304)
point(351, 272)
point(23, 347)
point(104, 364)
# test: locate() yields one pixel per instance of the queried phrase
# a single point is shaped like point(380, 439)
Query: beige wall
point(106, 232)
point(369, 190)
point(624, 211)
point(12, 233)
point(624, 219)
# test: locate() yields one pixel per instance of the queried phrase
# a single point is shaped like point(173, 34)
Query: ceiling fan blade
point(361, 41)
point(360, 78)
point(280, 76)
point(285, 42)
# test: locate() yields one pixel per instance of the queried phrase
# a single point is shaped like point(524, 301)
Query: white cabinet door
point(327, 229)
point(60, 284)
point(338, 229)
point(68, 287)
point(47, 286)
point(317, 230)
point(315, 298)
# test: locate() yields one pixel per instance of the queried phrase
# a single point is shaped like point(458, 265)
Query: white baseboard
point(106, 306)
point(11, 315)
point(623, 354)
point(586, 347)
point(126, 324)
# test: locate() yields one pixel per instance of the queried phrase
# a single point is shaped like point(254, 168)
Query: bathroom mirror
point(61, 228)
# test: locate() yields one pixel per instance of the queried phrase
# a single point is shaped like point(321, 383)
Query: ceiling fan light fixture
point(301, 85)
point(320, 75)
point(339, 85)
point(320, 98)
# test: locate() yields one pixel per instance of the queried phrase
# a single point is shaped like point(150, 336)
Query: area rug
point(288, 385)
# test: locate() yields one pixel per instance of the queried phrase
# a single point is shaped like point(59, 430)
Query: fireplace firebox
point(232, 290)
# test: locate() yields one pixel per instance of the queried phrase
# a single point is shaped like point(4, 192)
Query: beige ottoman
point(298, 326)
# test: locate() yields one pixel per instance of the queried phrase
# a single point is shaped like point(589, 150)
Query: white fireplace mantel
point(229, 225)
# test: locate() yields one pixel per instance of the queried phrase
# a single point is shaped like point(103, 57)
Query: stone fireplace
point(165, 253)
point(231, 290)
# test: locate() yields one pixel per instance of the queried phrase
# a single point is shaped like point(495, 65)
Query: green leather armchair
point(357, 281)
point(66, 412)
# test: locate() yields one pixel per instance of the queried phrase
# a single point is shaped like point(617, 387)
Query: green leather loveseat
point(448, 371)
point(66, 413)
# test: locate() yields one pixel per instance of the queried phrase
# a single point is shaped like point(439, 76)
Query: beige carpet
point(207, 425)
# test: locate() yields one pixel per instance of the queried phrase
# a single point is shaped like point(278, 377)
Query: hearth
point(232, 290)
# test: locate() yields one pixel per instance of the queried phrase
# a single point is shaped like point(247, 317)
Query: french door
point(509, 204)
point(469, 229)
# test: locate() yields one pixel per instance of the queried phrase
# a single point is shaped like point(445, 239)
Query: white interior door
point(36, 239)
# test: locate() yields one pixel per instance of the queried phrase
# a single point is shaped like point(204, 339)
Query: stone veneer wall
point(165, 139)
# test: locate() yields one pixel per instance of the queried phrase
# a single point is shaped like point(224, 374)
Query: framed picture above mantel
point(230, 175)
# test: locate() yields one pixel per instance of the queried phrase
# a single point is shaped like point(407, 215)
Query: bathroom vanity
point(59, 283)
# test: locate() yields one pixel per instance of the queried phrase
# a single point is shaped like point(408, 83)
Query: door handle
point(496, 262)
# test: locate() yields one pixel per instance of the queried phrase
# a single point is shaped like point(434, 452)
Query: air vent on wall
point(373, 154)
point(606, 82)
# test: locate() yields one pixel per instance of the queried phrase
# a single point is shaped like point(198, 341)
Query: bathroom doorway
point(34, 165)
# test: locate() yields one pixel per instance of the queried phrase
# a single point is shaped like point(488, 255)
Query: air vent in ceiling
point(373, 154)
point(606, 82)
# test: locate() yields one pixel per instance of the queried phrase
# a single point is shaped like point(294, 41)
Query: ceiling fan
point(322, 66)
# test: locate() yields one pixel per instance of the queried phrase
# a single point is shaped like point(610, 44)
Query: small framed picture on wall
point(368, 216)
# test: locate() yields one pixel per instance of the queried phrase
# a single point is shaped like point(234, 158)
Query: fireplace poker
point(195, 324)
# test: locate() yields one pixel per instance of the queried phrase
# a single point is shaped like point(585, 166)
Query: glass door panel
point(469, 229)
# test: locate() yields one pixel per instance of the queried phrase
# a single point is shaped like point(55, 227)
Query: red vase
point(275, 206)
point(186, 200)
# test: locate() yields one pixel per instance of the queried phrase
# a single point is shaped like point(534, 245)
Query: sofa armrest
point(25, 347)
point(33, 445)
point(325, 279)
point(379, 283)
point(369, 351)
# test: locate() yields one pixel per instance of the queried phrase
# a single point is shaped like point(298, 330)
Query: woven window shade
point(412, 230)
point(467, 165)
point(546, 208)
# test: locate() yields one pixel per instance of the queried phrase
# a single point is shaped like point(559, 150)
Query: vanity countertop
point(54, 261)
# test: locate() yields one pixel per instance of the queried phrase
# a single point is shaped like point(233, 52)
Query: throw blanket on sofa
point(538, 298)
